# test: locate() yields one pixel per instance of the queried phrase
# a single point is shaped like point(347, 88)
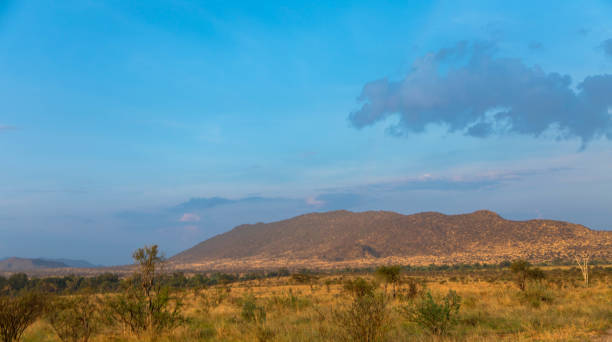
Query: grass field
point(492, 308)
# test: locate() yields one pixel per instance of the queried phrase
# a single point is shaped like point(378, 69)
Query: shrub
point(389, 275)
point(17, 313)
point(536, 293)
point(523, 271)
point(146, 305)
point(18, 281)
point(366, 319)
point(74, 319)
point(437, 318)
point(251, 311)
point(212, 298)
point(359, 287)
point(413, 291)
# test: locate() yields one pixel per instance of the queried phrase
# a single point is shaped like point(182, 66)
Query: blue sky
point(128, 123)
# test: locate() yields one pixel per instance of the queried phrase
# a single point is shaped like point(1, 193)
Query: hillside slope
point(343, 238)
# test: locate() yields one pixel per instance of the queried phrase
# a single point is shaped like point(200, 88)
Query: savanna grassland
point(508, 302)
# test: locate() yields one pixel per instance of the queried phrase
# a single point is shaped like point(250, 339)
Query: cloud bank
point(6, 128)
point(468, 89)
point(607, 47)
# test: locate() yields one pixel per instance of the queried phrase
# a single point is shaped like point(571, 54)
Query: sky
point(129, 123)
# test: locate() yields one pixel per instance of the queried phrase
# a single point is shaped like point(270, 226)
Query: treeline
point(110, 282)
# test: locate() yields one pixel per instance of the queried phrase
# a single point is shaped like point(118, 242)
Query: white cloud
point(189, 217)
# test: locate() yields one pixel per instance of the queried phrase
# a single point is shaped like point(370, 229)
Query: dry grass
point(490, 311)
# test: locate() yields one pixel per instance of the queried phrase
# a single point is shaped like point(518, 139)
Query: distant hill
point(73, 263)
point(14, 264)
point(344, 238)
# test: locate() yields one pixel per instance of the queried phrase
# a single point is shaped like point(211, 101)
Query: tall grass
point(325, 309)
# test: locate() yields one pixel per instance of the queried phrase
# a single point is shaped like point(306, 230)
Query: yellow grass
point(490, 311)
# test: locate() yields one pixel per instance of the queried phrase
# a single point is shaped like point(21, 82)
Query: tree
point(583, 263)
point(18, 281)
point(18, 313)
point(524, 272)
point(75, 318)
point(146, 305)
point(360, 287)
point(389, 275)
point(437, 318)
point(367, 318)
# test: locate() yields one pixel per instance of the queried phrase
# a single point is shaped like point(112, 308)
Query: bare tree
point(583, 263)
point(18, 313)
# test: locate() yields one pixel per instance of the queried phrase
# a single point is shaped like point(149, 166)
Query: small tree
point(583, 263)
point(18, 313)
point(146, 304)
point(437, 318)
point(359, 287)
point(74, 319)
point(524, 272)
point(389, 275)
point(366, 319)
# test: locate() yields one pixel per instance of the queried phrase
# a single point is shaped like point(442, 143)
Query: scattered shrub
point(212, 298)
point(74, 319)
point(366, 319)
point(359, 287)
point(437, 318)
point(389, 275)
point(523, 271)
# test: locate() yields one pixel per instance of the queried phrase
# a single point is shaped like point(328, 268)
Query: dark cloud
point(6, 128)
point(429, 182)
point(535, 46)
point(469, 89)
point(202, 203)
point(607, 47)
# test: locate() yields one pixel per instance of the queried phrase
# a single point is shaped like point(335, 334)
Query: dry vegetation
point(418, 305)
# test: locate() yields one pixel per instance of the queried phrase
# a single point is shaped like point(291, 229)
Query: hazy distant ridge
point(14, 264)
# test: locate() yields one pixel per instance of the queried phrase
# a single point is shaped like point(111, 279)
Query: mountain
point(14, 264)
point(350, 239)
point(22, 264)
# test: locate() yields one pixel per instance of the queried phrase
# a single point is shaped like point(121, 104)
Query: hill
point(19, 264)
point(349, 239)
point(14, 264)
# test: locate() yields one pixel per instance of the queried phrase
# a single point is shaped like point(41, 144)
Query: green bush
point(74, 319)
point(19, 312)
point(366, 319)
point(360, 287)
point(437, 318)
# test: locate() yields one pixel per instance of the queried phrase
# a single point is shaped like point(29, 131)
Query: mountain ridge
point(343, 238)
point(17, 264)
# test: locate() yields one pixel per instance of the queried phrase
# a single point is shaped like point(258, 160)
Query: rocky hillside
point(343, 238)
